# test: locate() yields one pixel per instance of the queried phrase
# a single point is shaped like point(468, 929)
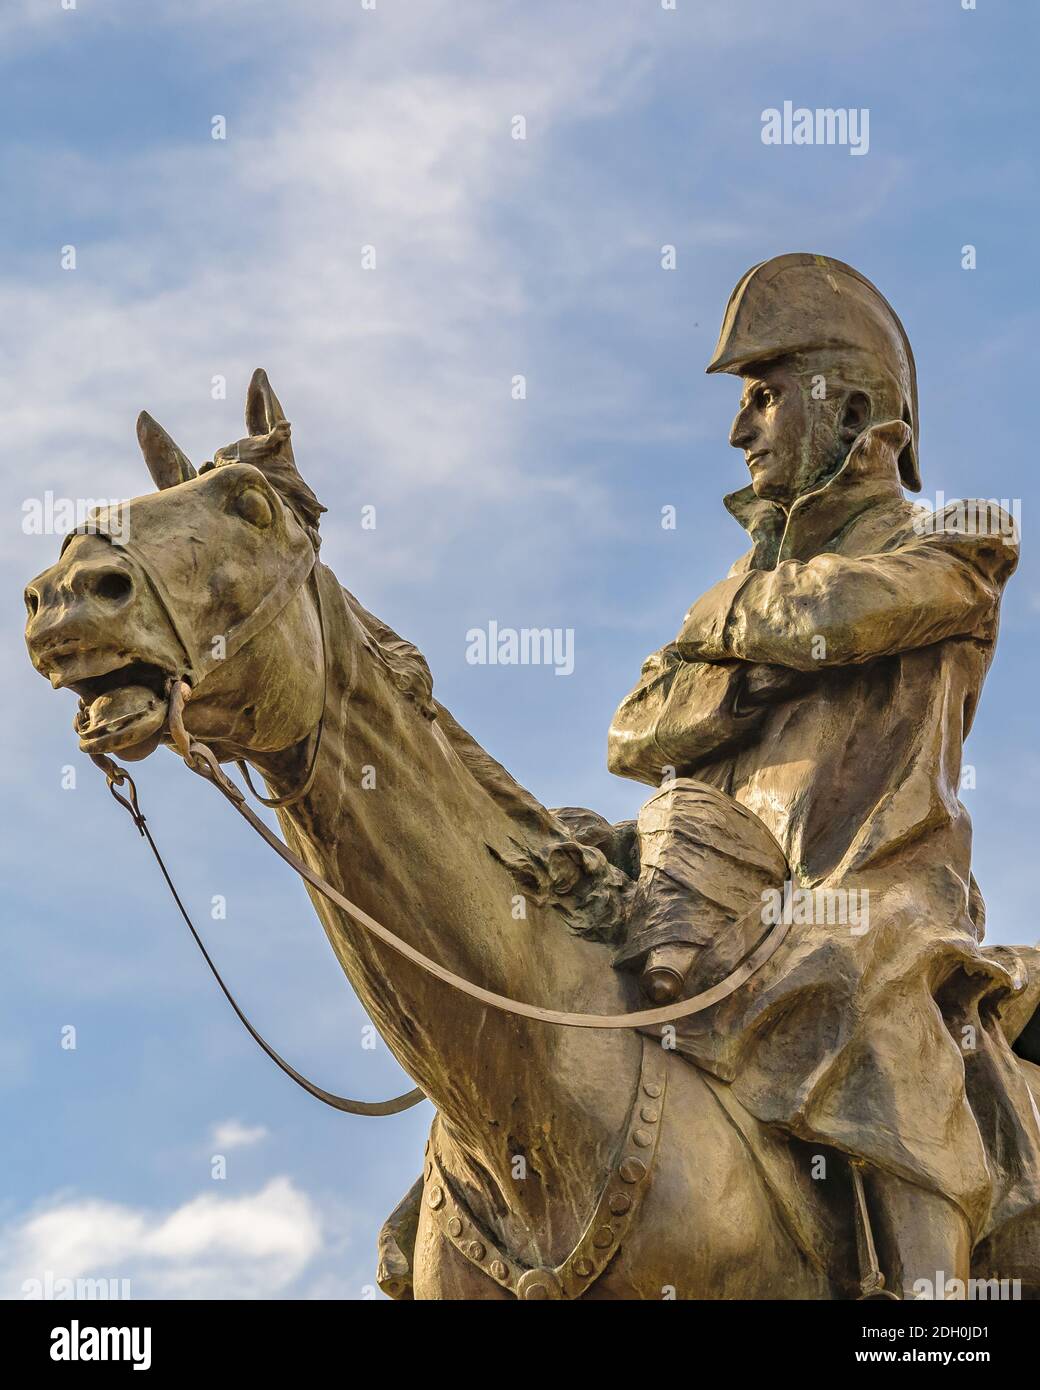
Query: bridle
point(201, 759)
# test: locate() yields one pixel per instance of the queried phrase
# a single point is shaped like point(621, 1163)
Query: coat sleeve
point(683, 714)
point(836, 611)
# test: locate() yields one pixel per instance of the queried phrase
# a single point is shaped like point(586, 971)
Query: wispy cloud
point(251, 248)
point(233, 1134)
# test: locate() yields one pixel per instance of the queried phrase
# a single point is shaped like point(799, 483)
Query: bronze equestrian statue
point(838, 1107)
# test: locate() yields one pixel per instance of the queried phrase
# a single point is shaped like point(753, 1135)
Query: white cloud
point(233, 1134)
point(212, 1246)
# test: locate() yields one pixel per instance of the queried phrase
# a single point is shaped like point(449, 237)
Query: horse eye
point(253, 506)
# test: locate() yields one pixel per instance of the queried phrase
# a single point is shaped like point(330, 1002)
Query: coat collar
point(870, 474)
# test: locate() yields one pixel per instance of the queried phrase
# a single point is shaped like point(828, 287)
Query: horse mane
point(557, 861)
point(403, 661)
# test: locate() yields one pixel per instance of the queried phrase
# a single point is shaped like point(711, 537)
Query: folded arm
point(683, 714)
point(835, 611)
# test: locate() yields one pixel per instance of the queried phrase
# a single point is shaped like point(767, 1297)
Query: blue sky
point(495, 257)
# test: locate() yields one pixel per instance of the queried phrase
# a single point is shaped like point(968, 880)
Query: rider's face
point(789, 439)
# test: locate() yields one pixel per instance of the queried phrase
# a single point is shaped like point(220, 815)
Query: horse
point(562, 1162)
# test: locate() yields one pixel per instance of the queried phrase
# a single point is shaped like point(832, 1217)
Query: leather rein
point(201, 759)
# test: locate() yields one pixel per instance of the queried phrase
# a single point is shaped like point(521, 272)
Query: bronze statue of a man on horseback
point(832, 1098)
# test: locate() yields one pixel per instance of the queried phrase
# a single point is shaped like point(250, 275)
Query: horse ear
point(166, 463)
point(269, 448)
point(263, 410)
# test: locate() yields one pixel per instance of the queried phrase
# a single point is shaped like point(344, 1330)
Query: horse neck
point(399, 823)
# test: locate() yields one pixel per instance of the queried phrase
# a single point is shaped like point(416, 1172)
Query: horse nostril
point(113, 586)
point(32, 602)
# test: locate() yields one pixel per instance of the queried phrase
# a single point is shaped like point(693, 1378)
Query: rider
point(827, 684)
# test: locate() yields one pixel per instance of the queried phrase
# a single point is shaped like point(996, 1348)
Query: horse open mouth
point(123, 710)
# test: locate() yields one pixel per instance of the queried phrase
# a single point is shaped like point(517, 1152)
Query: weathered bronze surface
point(859, 1115)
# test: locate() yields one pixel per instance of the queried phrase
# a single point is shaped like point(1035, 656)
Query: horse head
point(204, 581)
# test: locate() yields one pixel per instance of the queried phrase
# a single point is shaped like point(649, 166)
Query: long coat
point(827, 685)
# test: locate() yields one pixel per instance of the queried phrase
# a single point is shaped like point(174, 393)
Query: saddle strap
point(618, 1204)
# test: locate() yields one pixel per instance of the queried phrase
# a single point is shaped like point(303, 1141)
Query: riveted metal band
point(618, 1204)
